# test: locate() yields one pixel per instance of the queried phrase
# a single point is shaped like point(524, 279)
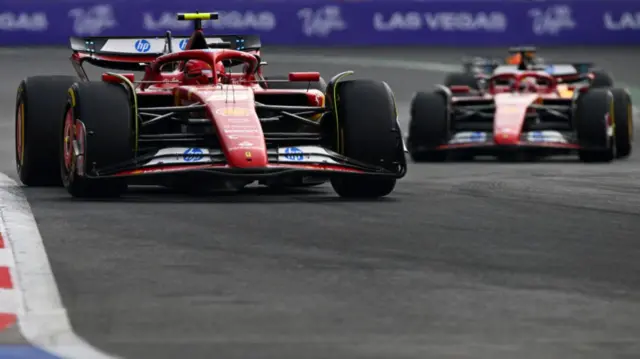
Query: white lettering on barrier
point(36, 21)
point(551, 20)
point(231, 20)
point(626, 21)
point(321, 22)
point(93, 21)
point(441, 21)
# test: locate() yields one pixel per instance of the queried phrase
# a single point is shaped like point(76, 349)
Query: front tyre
point(428, 127)
point(98, 122)
point(594, 122)
point(623, 120)
point(366, 114)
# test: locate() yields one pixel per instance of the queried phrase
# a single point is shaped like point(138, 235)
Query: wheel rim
point(20, 136)
point(67, 142)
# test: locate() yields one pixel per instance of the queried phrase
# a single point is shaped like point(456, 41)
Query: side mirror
point(304, 76)
point(460, 89)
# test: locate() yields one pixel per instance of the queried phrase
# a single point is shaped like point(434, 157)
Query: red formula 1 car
point(522, 114)
point(190, 121)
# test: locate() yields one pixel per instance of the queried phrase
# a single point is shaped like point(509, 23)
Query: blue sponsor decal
point(142, 45)
point(293, 154)
point(477, 137)
point(536, 136)
point(550, 69)
point(183, 44)
point(193, 155)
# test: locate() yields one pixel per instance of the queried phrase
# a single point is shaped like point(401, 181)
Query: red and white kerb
point(8, 293)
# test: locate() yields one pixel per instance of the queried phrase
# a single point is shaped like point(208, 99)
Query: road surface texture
point(470, 260)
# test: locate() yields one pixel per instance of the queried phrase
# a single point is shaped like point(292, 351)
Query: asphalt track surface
point(471, 260)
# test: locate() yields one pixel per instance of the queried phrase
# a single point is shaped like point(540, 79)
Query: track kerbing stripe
point(29, 296)
point(8, 310)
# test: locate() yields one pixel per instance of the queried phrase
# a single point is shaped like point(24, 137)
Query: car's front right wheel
point(366, 113)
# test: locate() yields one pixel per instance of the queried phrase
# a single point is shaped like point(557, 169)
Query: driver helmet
point(199, 72)
point(528, 84)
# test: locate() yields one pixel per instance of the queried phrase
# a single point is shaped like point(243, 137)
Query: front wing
point(283, 161)
point(549, 139)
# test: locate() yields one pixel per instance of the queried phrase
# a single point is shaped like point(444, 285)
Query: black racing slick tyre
point(366, 113)
point(623, 120)
point(593, 124)
point(40, 106)
point(428, 127)
point(601, 79)
point(283, 83)
point(99, 119)
point(461, 79)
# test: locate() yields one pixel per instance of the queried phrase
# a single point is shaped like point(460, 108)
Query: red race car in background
point(521, 114)
point(192, 122)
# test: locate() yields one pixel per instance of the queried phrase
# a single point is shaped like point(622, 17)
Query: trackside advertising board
point(334, 23)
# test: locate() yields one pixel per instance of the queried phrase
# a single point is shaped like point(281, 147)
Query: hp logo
point(293, 154)
point(183, 44)
point(193, 155)
point(142, 46)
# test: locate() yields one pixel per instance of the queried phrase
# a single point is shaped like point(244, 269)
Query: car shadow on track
point(139, 194)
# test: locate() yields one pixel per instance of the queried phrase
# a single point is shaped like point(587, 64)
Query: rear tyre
point(623, 119)
point(366, 114)
point(428, 127)
point(601, 79)
point(99, 119)
point(461, 79)
point(593, 122)
point(39, 109)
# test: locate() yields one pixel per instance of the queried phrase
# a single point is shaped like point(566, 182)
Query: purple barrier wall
point(334, 23)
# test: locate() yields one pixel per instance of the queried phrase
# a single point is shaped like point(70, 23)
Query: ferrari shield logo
point(247, 155)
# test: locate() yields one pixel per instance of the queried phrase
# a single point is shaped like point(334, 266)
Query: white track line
point(42, 318)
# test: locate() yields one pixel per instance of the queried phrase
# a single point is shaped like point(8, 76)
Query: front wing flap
point(530, 139)
point(283, 160)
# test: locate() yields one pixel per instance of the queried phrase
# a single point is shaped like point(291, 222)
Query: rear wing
point(133, 53)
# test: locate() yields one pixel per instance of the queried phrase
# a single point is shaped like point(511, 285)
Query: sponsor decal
point(237, 137)
point(23, 21)
point(233, 111)
point(536, 137)
point(552, 20)
point(246, 144)
point(242, 131)
point(239, 126)
point(93, 21)
point(193, 155)
point(293, 154)
point(321, 22)
point(441, 21)
point(238, 120)
point(546, 136)
point(183, 44)
point(229, 95)
point(469, 137)
point(142, 45)
point(626, 21)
